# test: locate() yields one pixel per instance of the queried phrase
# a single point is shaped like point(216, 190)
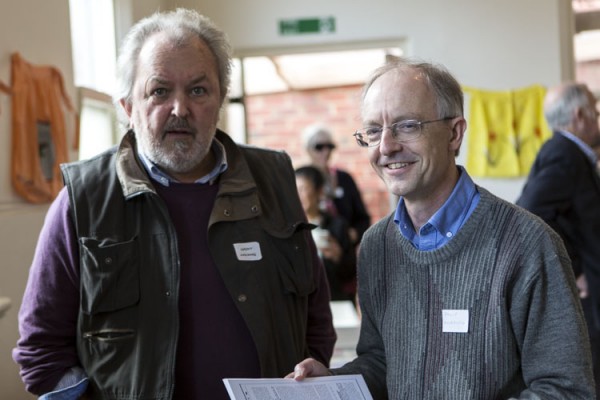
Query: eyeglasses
point(321, 146)
point(402, 132)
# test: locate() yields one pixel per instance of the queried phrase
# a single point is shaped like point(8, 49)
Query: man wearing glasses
point(463, 295)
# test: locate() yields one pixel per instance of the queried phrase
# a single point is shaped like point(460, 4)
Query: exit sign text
point(306, 26)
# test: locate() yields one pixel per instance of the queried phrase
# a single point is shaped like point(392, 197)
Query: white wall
point(39, 31)
point(489, 44)
point(494, 45)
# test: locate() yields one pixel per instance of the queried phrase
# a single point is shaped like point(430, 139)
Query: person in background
point(331, 233)
point(178, 258)
point(463, 295)
point(340, 189)
point(563, 188)
point(341, 194)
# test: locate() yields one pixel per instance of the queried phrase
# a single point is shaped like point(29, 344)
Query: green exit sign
point(306, 25)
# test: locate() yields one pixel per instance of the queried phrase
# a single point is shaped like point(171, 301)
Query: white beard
point(176, 157)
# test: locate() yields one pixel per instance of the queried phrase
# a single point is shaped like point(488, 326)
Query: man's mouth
point(177, 133)
point(178, 127)
point(397, 165)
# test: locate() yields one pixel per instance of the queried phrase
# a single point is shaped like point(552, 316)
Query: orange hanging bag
point(39, 138)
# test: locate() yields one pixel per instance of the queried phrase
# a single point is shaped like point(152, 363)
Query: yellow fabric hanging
point(530, 124)
point(38, 130)
point(506, 130)
point(491, 136)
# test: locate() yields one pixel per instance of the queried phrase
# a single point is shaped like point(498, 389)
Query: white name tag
point(248, 251)
point(456, 321)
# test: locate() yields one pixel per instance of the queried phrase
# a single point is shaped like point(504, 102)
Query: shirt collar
point(587, 150)
point(165, 179)
point(450, 217)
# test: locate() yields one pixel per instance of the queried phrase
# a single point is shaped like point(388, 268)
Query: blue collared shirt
point(70, 392)
point(444, 224)
point(587, 150)
point(164, 179)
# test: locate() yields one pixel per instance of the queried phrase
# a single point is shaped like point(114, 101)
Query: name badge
point(248, 251)
point(455, 321)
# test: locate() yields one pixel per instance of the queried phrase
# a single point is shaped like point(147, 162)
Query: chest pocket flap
point(109, 275)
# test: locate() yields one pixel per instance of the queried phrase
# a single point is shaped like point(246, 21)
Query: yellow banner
point(505, 131)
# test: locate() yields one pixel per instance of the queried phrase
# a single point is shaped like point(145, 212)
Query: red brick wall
point(277, 120)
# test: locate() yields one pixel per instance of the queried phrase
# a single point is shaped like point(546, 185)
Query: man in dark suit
point(563, 188)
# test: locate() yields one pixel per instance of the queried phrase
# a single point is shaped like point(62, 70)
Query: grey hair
point(449, 96)
point(311, 134)
point(560, 110)
point(181, 24)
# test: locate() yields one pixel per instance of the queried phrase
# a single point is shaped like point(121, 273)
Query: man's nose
point(388, 143)
point(180, 106)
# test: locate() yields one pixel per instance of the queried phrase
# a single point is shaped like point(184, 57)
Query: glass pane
point(97, 128)
point(236, 122)
point(235, 90)
point(94, 49)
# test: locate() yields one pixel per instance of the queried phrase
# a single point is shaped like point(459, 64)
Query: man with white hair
point(177, 258)
point(563, 188)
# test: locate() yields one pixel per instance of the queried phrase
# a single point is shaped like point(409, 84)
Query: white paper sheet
point(341, 387)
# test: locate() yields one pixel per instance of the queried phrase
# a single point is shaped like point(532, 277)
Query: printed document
point(340, 387)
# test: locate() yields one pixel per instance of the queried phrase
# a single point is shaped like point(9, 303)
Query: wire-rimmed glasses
point(404, 131)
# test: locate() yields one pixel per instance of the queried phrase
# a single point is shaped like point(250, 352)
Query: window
point(97, 126)
point(93, 40)
point(94, 64)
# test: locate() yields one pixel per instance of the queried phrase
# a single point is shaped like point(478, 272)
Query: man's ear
point(458, 127)
point(578, 121)
point(126, 107)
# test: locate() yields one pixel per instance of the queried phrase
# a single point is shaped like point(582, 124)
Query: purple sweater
point(214, 342)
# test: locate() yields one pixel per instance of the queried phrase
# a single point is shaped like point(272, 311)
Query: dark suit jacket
point(563, 188)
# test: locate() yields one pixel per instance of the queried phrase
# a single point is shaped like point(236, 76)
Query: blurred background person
point(563, 188)
point(341, 195)
point(331, 235)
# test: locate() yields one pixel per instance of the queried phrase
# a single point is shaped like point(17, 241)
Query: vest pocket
point(109, 274)
point(294, 261)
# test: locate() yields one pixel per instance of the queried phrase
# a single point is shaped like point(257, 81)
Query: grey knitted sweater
point(526, 335)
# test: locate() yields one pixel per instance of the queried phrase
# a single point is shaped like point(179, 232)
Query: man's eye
point(159, 92)
point(198, 91)
point(374, 131)
point(406, 126)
